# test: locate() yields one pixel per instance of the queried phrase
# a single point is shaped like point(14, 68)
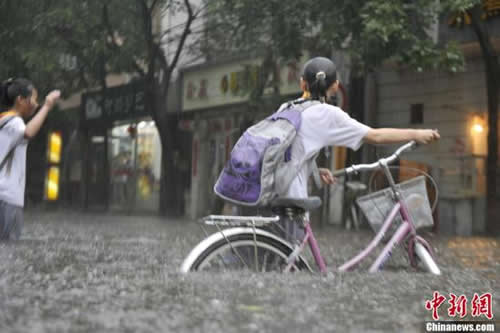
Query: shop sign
point(118, 103)
point(232, 83)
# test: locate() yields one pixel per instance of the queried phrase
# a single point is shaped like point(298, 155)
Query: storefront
point(135, 166)
point(121, 153)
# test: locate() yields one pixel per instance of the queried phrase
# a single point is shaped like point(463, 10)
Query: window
point(416, 114)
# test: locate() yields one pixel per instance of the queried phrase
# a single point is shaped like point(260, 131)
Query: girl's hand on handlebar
point(425, 136)
point(326, 176)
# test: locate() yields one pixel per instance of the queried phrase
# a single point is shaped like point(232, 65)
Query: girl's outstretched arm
point(34, 125)
point(396, 135)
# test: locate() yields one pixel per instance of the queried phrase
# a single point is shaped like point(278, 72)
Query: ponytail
point(319, 73)
point(319, 87)
point(11, 89)
point(5, 101)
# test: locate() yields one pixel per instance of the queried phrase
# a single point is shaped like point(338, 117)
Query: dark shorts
point(11, 221)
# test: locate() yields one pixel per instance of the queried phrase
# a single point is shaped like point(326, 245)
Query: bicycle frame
point(406, 229)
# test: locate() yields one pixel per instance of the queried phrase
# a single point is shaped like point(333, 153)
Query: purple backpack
point(261, 158)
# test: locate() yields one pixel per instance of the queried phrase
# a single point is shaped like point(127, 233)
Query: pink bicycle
point(250, 243)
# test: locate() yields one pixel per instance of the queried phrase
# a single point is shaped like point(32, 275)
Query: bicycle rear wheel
point(238, 249)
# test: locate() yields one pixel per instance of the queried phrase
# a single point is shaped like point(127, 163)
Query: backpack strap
point(7, 158)
point(305, 104)
point(302, 104)
point(5, 118)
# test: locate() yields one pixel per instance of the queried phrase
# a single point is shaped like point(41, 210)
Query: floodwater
point(75, 272)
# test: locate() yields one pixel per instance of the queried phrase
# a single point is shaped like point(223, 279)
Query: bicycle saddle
point(306, 204)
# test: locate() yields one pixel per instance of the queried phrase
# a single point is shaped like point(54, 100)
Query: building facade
point(456, 105)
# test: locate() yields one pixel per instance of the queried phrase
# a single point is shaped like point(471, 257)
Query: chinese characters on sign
point(118, 103)
point(240, 82)
point(480, 305)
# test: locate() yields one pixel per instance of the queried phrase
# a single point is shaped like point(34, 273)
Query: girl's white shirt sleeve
point(327, 125)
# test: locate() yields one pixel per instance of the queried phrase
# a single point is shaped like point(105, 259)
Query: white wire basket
point(376, 206)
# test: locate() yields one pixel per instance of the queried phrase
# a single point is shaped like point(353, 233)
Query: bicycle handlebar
point(387, 160)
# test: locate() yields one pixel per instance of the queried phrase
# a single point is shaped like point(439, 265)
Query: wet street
point(76, 272)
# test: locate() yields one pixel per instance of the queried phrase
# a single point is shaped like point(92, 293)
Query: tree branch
point(182, 41)
point(481, 33)
point(152, 8)
point(113, 44)
point(196, 15)
point(160, 54)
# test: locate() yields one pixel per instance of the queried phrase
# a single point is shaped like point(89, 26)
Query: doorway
point(135, 167)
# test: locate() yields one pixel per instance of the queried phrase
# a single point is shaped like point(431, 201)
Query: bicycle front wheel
point(238, 249)
point(426, 259)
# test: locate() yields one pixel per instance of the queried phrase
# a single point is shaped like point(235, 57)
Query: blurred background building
point(111, 148)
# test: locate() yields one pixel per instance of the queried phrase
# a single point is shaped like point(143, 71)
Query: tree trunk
point(492, 78)
point(103, 74)
point(170, 191)
point(492, 74)
point(156, 102)
point(85, 179)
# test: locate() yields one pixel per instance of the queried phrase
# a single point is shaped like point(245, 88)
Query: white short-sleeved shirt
point(322, 125)
point(13, 176)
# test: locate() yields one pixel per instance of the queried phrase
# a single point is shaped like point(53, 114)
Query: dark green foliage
point(371, 32)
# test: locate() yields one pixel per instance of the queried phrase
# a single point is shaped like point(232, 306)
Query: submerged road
point(75, 272)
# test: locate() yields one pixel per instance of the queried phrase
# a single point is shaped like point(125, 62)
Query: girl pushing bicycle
point(248, 244)
point(327, 125)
